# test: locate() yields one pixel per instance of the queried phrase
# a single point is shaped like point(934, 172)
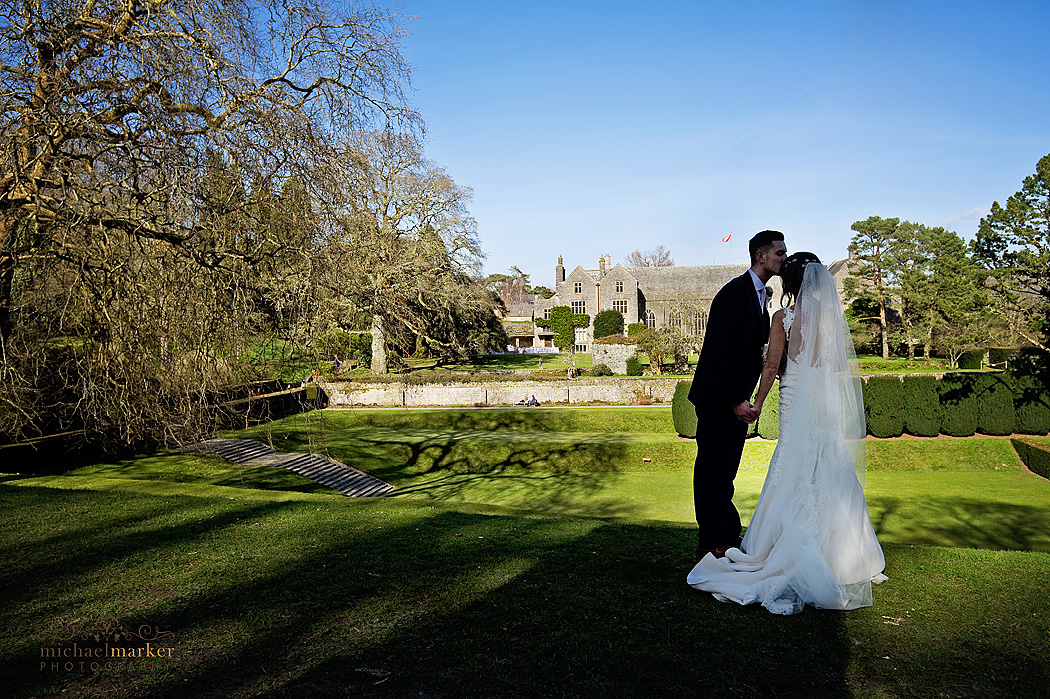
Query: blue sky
point(589, 128)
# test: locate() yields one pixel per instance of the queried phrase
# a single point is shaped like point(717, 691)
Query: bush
point(884, 406)
point(999, 355)
point(601, 370)
point(958, 405)
point(1035, 455)
point(634, 328)
point(607, 323)
point(683, 414)
point(971, 359)
point(1032, 405)
point(634, 365)
point(769, 420)
point(922, 406)
point(995, 405)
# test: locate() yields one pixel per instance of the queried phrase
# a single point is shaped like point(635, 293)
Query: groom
point(726, 375)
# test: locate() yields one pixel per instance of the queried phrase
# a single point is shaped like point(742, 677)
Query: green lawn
point(528, 553)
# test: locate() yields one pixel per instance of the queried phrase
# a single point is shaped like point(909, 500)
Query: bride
point(810, 540)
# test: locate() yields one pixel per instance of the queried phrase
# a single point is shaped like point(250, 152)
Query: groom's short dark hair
point(762, 239)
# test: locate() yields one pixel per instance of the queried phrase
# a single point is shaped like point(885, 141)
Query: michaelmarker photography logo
point(104, 645)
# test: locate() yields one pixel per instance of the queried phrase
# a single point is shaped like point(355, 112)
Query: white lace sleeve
point(789, 320)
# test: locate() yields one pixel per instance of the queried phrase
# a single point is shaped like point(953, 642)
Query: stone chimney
point(602, 269)
point(559, 274)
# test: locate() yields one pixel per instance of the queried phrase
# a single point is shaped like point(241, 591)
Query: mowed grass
point(972, 492)
point(321, 597)
point(528, 553)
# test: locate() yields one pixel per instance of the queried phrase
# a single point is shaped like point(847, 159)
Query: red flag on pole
point(726, 239)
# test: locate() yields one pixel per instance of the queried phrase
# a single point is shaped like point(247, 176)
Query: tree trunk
point(379, 359)
point(7, 277)
point(882, 327)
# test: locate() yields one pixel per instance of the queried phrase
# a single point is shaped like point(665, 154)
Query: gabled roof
point(621, 272)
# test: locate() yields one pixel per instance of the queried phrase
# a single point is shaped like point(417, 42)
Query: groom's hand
point(745, 412)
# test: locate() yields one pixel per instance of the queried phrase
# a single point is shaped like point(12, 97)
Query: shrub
point(1035, 455)
point(769, 420)
point(683, 414)
point(1032, 405)
point(995, 405)
point(999, 355)
point(971, 359)
point(884, 406)
point(922, 406)
point(634, 365)
point(635, 328)
point(958, 405)
point(608, 322)
point(601, 370)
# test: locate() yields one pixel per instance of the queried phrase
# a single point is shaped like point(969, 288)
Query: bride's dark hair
point(791, 273)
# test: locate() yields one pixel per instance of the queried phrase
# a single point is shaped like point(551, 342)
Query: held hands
point(745, 412)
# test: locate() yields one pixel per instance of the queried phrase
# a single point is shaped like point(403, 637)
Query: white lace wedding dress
point(810, 540)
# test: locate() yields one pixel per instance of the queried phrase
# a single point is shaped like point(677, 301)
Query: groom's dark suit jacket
point(731, 356)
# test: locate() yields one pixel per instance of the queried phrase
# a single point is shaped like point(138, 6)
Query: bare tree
point(115, 115)
point(407, 252)
point(658, 257)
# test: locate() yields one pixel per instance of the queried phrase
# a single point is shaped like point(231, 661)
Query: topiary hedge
point(769, 420)
point(683, 414)
point(958, 405)
point(884, 406)
point(1032, 404)
point(1035, 455)
point(995, 405)
point(922, 406)
point(971, 359)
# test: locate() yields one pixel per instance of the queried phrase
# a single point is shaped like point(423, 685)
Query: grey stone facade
point(656, 296)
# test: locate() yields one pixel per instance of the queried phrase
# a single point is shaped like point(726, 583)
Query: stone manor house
point(677, 296)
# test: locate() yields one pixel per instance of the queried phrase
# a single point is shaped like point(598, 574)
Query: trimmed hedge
point(958, 405)
point(634, 365)
point(998, 355)
point(995, 405)
point(922, 406)
point(884, 406)
point(769, 420)
point(971, 359)
point(683, 414)
point(1035, 455)
point(1032, 403)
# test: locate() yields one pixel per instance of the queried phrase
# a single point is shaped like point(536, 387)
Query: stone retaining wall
point(620, 390)
point(613, 356)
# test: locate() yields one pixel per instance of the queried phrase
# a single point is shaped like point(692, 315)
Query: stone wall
point(613, 356)
point(621, 390)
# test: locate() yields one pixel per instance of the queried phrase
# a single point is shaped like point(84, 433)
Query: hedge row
point(1035, 455)
point(959, 405)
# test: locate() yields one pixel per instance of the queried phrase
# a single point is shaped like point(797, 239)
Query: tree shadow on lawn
point(442, 604)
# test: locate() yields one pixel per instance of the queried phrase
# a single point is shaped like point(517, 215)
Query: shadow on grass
point(371, 600)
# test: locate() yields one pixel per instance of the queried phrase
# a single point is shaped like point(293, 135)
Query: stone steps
point(319, 468)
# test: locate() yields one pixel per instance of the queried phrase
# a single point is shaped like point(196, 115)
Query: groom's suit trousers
point(719, 445)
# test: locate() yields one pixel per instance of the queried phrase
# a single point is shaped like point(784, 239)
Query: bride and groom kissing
point(810, 540)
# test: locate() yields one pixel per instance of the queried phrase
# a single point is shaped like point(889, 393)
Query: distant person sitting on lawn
point(533, 401)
